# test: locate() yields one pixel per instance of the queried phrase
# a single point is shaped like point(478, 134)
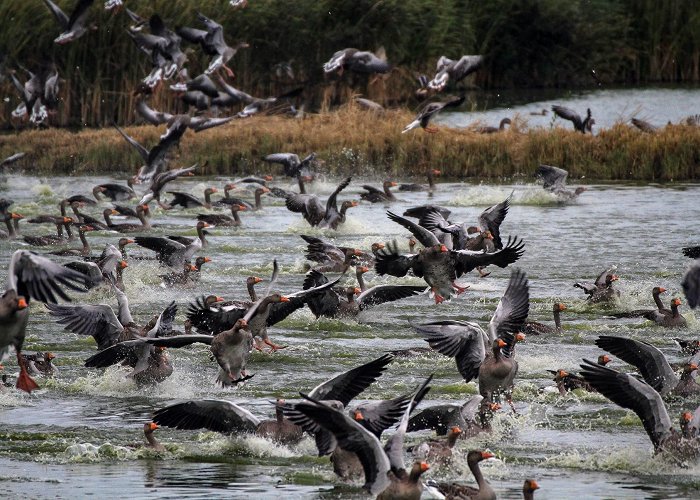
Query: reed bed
point(526, 43)
point(353, 141)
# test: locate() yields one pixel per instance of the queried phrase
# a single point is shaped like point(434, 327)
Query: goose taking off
point(156, 158)
point(74, 26)
point(358, 61)
point(213, 44)
point(293, 166)
point(429, 111)
point(439, 266)
point(455, 70)
point(629, 392)
point(554, 181)
point(580, 125)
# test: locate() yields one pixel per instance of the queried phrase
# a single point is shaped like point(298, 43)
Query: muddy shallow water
point(73, 437)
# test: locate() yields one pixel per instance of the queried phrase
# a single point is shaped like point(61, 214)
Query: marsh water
point(75, 436)
point(656, 105)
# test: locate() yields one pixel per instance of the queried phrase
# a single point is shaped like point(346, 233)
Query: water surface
point(73, 437)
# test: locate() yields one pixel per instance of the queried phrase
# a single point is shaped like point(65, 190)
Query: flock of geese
point(441, 251)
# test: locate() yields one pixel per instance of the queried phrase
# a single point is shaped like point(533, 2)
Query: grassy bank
point(353, 141)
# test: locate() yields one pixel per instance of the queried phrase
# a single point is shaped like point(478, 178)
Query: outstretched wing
point(425, 237)
point(212, 414)
point(36, 277)
point(466, 260)
point(628, 392)
point(553, 177)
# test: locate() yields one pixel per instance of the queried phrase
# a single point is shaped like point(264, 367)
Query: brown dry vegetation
point(354, 141)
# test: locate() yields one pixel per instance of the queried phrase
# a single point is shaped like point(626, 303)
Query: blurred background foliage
point(526, 43)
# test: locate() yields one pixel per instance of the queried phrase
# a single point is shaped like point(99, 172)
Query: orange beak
point(520, 337)
point(693, 366)
point(204, 224)
point(265, 190)
point(230, 186)
point(501, 343)
point(357, 291)
point(219, 299)
point(443, 249)
point(615, 277)
point(357, 252)
point(284, 299)
point(606, 358)
point(495, 406)
point(363, 269)
point(379, 245)
point(534, 485)
point(145, 207)
point(392, 184)
point(354, 203)
point(242, 208)
point(456, 430)
point(677, 302)
point(130, 241)
point(67, 220)
point(562, 307)
point(113, 212)
point(424, 466)
point(21, 303)
point(687, 416)
point(214, 190)
point(123, 264)
point(486, 455)
point(257, 280)
point(358, 415)
point(562, 373)
point(50, 355)
point(436, 172)
point(268, 178)
point(153, 426)
point(17, 216)
point(661, 289)
point(207, 259)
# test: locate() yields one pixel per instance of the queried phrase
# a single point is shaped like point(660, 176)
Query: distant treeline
point(526, 43)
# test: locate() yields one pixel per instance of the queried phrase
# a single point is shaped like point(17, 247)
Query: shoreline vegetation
point(354, 141)
point(525, 44)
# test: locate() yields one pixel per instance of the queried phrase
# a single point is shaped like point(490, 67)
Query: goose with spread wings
point(155, 159)
point(332, 304)
point(314, 212)
point(629, 392)
point(99, 321)
point(582, 125)
point(30, 276)
point(149, 364)
point(293, 165)
point(436, 264)
point(653, 365)
point(428, 113)
point(74, 26)
point(454, 70)
point(487, 356)
point(462, 234)
point(554, 181)
point(213, 44)
point(384, 467)
point(268, 311)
